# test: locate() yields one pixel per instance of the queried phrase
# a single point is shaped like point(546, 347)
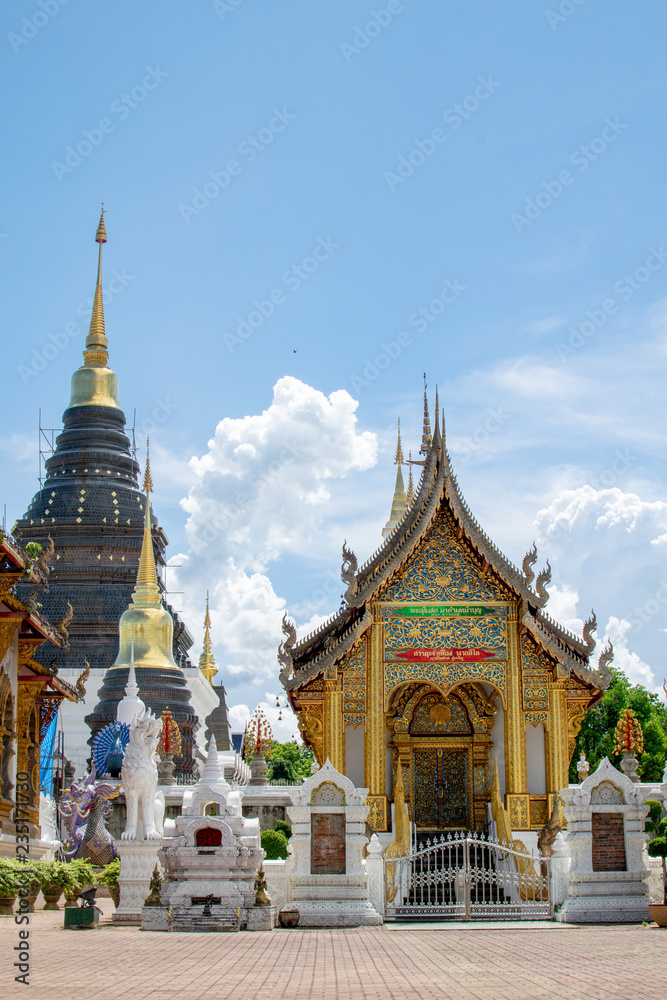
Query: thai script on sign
point(444, 655)
point(448, 611)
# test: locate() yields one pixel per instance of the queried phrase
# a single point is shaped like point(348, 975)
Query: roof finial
point(399, 460)
point(410, 494)
point(96, 354)
point(426, 432)
point(207, 660)
point(437, 441)
point(148, 479)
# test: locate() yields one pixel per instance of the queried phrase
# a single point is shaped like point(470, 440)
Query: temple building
point(442, 657)
point(92, 510)
point(30, 695)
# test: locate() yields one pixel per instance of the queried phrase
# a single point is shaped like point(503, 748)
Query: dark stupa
point(92, 508)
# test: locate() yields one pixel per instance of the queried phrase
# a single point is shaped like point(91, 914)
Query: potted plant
point(109, 877)
point(55, 878)
point(26, 877)
point(657, 848)
point(81, 873)
point(8, 889)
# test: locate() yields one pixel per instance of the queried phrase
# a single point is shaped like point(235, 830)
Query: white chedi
point(139, 778)
point(131, 704)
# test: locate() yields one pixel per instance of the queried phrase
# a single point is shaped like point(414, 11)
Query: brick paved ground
point(567, 963)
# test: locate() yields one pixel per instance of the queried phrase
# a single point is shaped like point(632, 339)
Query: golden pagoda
point(441, 663)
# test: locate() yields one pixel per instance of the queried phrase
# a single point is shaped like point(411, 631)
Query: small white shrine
point(328, 880)
point(607, 881)
point(210, 855)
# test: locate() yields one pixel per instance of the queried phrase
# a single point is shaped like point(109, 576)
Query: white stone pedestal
point(606, 801)
point(137, 861)
point(328, 884)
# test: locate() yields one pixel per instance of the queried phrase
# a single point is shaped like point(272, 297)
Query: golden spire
point(426, 432)
point(96, 354)
point(410, 494)
point(207, 660)
point(94, 384)
point(147, 592)
point(148, 479)
point(399, 460)
point(399, 506)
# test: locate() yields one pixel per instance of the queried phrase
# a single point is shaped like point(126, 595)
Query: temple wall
point(354, 755)
point(536, 760)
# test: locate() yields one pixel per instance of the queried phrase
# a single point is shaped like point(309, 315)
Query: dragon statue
point(348, 573)
point(529, 561)
point(85, 808)
point(285, 648)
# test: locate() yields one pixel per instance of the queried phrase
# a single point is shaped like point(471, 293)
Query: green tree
point(596, 737)
point(299, 756)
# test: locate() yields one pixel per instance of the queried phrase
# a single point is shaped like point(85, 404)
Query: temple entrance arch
point(443, 744)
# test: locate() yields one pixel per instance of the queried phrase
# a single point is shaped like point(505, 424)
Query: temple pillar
point(375, 762)
point(556, 738)
point(28, 747)
point(516, 768)
point(516, 771)
point(334, 732)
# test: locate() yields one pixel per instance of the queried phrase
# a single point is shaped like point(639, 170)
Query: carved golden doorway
point(441, 742)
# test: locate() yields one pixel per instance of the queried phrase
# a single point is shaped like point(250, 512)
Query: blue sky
point(497, 166)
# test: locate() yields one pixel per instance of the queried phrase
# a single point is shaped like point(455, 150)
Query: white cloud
point(267, 490)
point(604, 541)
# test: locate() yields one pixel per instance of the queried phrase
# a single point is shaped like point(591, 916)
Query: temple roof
point(437, 486)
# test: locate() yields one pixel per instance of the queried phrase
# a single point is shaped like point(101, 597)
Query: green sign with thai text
point(445, 611)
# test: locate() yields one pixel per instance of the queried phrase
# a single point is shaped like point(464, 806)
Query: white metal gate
point(467, 877)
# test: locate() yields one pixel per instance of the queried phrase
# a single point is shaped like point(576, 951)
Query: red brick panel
point(608, 842)
point(327, 844)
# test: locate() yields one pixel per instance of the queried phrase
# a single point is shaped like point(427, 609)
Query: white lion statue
point(139, 778)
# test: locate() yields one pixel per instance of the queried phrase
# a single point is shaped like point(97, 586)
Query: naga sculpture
point(348, 573)
point(42, 562)
point(85, 808)
point(529, 561)
point(81, 681)
point(64, 623)
point(543, 578)
point(139, 777)
point(606, 657)
point(285, 648)
point(590, 626)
